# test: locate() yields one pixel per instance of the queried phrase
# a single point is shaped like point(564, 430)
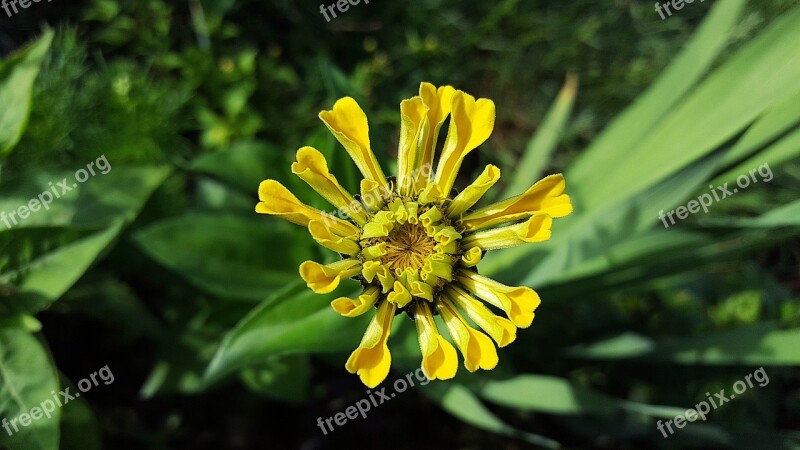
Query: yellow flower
point(413, 241)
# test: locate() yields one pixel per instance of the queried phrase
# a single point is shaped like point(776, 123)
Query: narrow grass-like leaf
point(759, 345)
point(541, 146)
point(625, 134)
point(755, 79)
point(555, 395)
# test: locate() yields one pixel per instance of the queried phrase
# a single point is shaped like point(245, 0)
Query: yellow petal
point(374, 251)
point(439, 359)
point(325, 237)
point(348, 123)
point(477, 348)
point(447, 235)
point(349, 307)
point(374, 194)
point(400, 295)
point(519, 303)
point(277, 200)
point(373, 269)
point(438, 102)
point(547, 196)
point(413, 133)
point(430, 217)
point(439, 269)
point(501, 330)
point(471, 123)
point(471, 257)
point(372, 360)
point(380, 226)
point(422, 290)
point(430, 194)
point(398, 210)
point(536, 229)
point(312, 168)
point(323, 279)
point(472, 193)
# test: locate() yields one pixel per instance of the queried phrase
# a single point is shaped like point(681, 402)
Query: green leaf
point(785, 216)
point(785, 149)
point(79, 427)
point(244, 165)
point(623, 138)
point(772, 124)
point(460, 402)
point(292, 321)
point(555, 395)
point(47, 278)
point(759, 345)
point(585, 237)
point(27, 379)
point(101, 199)
point(286, 378)
point(755, 79)
point(228, 256)
point(544, 142)
point(17, 74)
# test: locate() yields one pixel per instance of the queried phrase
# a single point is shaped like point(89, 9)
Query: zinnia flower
point(413, 241)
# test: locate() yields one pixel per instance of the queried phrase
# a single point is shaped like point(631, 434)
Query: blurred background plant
point(161, 270)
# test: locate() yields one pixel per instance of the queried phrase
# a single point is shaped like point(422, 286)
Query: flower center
point(409, 250)
point(407, 246)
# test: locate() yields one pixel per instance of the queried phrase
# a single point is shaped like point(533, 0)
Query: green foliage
point(196, 302)
point(28, 378)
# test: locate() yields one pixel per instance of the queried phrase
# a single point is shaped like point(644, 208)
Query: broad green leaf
point(624, 136)
point(555, 395)
point(112, 302)
point(462, 403)
point(228, 256)
point(244, 165)
point(292, 321)
point(27, 380)
point(79, 427)
point(17, 74)
point(45, 279)
point(544, 142)
point(287, 378)
point(759, 345)
point(101, 199)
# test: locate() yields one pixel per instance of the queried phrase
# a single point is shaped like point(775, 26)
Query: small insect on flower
point(412, 242)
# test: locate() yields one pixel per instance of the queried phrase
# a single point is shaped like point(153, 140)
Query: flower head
point(412, 241)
